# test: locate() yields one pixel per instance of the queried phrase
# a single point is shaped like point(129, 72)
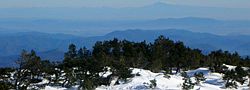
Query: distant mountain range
point(53, 46)
point(100, 28)
point(154, 11)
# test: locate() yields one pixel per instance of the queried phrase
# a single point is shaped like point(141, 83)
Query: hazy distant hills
point(52, 46)
point(98, 28)
point(90, 21)
point(154, 11)
point(12, 43)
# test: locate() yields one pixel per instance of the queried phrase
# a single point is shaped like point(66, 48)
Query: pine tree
point(121, 70)
point(229, 76)
point(69, 66)
point(88, 68)
point(187, 84)
point(70, 56)
point(161, 54)
point(6, 85)
point(49, 69)
point(34, 65)
point(28, 71)
point(241, 73)
point(83, 67)
point(5, 78)
point(56, 68)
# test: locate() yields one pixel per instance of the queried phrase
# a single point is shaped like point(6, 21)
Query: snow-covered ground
point(213, 82)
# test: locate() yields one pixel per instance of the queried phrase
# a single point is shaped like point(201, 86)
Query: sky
point(120, 3)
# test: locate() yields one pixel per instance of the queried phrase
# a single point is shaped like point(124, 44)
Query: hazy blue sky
point(121, 3)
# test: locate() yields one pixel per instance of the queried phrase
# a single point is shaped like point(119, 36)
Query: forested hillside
point(52, 46)
point(87, 68)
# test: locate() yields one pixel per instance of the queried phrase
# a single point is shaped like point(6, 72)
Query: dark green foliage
point(199, 77)
point(5, 75)
point(105, 80)
point(233, 76)
point(50, 69)
point(57, 71)
point(167, 54)
point(218, 58)
point(70, 57)
point(88, 84)
point(115, 55)
point(84, 67)
point(6, 86)
point(161, 54)
point(187, 84)
point(184, 75)
point(153, 84)
point(231, 84)
point(121, 70)
point(29, 69)
point(241, 73)
point(230, 77)
point(81, 68)
point(69, 64)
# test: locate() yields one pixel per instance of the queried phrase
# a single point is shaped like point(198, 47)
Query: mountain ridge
point(57, 44)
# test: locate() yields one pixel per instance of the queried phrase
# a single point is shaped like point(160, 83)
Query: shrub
point(187, 84)
point(199, 77)
point(153, 83)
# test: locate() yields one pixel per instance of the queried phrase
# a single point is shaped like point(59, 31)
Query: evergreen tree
point(184, 75)
point(6, 85)
point(194, 59)
point(199, 77)
point(161, 54)
point(5, 78)
point(218, 58)
point(187, 84)
point(229, 76)
point(28, 71)
point(49, 69)
point(241, 73)
point(69, 66)
point(88, 69)
point(84, 67)
point(233, 76)
point(70, 56)
point(121, 70)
